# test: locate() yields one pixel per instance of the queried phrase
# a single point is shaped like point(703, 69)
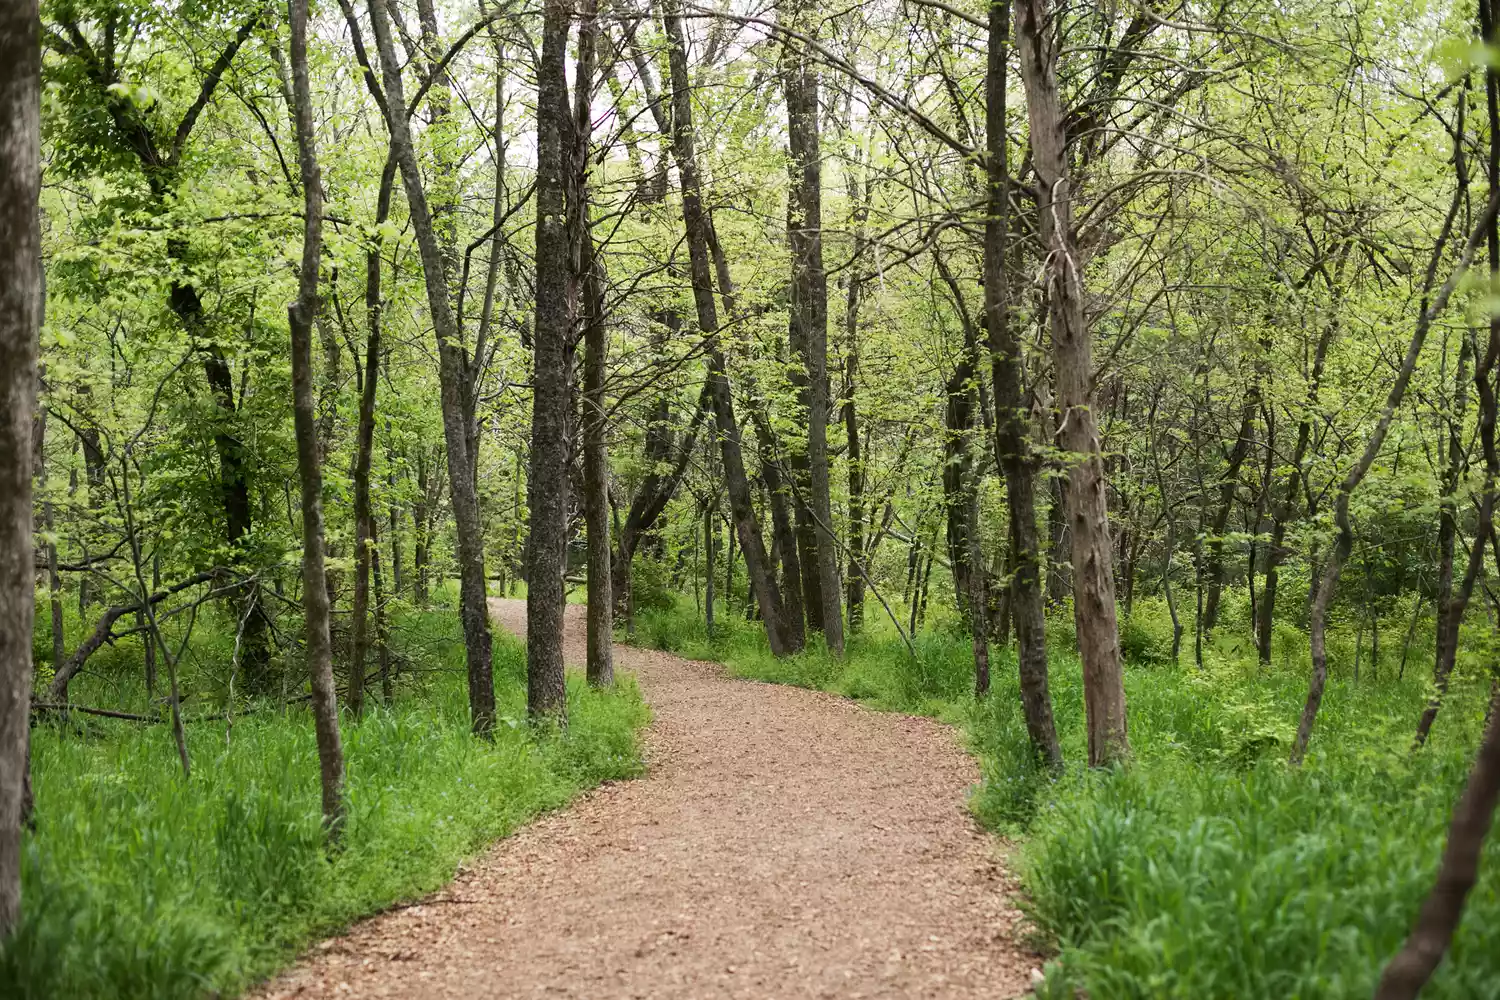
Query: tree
point(20, 320)
point(1072, 353)
point(300, 316)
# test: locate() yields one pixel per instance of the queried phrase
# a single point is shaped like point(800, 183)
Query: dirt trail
point(786, 843)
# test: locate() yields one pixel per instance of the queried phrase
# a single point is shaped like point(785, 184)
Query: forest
point(721, 498)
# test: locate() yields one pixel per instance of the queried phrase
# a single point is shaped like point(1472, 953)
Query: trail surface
point(785, 843)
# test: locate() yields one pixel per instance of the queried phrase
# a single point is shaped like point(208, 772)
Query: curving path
point(786, 843)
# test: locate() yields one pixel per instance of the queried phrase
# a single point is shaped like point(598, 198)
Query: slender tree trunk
point(20, 323)
point(1228, 483)
point(546, 549)
point(710, 543)
point(1011, 435)
point(600, 658)
point(1458, 871)
point(782, 640)
point(1093, 571)
point(854, 578)
point(452, 371)
point(809, 321)
point(1344, 534)
point(301, 315)
point(364, 447)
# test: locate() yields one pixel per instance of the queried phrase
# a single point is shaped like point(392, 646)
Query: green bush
point(140, 884)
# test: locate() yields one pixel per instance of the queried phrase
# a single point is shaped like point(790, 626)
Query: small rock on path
point(785, 843)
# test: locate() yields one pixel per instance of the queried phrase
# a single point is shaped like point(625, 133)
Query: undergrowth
point(1207, 868)
point(138, 883)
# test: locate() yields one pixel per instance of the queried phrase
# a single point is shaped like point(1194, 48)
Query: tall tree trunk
point(809, 317)
point(452, 378)
point(301, 315)
point(364, 447)
point(20, 323)
point(600, 658)
point(546, 549)
point(1017, 463)
point(781, 639)
point(1072, 349)
point(1411, 967)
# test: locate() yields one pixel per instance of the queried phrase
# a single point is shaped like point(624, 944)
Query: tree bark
point(600, 656)
point(20, 323)
point(781, 638)
point(809, 318)
point(546, 549)
point(1093, 572)
point(1441, 911)
point(1228, 483)
point(301, 315)
point(364, 447)
point(1017, 462)
point(452, 377)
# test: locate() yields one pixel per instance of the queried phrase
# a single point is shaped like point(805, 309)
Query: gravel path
point(786, 843)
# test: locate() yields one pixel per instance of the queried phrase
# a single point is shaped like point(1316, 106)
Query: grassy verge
point(1208, 868)
point(140, 884)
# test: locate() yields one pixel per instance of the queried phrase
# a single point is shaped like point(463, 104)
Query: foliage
point(139, 884)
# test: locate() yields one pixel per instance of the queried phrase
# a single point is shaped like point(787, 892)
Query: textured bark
point(595, 420)
point(20, 322)
point(547, 482)
point(1441, 911)
point(854, 577)
point(781, 639)
point(1012, 448)
point(453, 379)
point(1072, 349)
point(809, 323)
point(301, 315)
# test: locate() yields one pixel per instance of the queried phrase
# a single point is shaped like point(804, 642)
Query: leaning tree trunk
point(1228, 483)
point(1344, 533)
point(1441, 911)
point(695, 220)
point(546, 549)
point(301, 315)
point(20, 322)
point(452, 379)
point(1072, 351)
point(1011, 433)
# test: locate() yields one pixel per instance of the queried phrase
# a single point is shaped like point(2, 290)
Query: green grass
point(1208, 868)
point(140, 884)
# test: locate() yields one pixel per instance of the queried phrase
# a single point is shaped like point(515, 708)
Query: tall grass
point(140, 884)
point(1207, 868)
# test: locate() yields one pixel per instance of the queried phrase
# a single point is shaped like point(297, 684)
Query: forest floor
point(784, 843)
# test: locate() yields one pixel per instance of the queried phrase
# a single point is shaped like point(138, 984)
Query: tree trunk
point(301, 316)
point(364, 447)
point(452, 377)
point(1441, 911)
point(1011, 435)
point(781, 639)
point(809, 319)
point(1214, 561)
point(1344, 534)
point(600, 658)
point(20, 323)
point(546, 549)
point(1088, 516)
